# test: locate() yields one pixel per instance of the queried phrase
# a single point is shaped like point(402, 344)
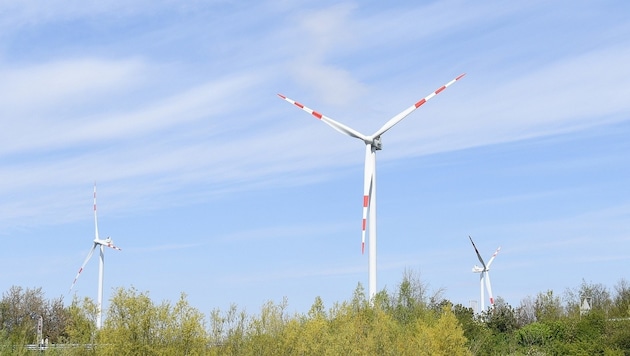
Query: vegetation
point(407, 321)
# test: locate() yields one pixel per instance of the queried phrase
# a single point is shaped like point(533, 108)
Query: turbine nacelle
point(477, 269)
point(107, 242)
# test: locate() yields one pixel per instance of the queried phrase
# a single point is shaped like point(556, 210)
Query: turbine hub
point(376, 142)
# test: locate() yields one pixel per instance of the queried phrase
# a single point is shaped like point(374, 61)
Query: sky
point(215, 187)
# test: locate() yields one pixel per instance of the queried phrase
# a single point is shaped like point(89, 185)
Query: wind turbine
point(484, 274)
point(101, 244)
point(372, 144)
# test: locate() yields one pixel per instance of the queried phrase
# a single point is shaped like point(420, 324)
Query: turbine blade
point(478, 255)
point(493, 256)
point(83, 266)
point(95, 218)
point(368, 179)
point(346, 130)
point(396, 119)
point(109, 243)
point(489, 288)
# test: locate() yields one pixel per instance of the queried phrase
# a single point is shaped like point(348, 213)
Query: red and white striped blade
point(95, 218)
point(83, 266)
point(396, 119)
point(489, 288)
point(368, 181)
point(346, 130)
point(109, 243)
point(493, 256)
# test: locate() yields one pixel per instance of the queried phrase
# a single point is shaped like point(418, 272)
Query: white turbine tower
point(372, 144)
point(101, 244)
point(484, 275)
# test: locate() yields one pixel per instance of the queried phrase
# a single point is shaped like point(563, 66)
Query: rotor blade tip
point(282, 96)
point(460, 76)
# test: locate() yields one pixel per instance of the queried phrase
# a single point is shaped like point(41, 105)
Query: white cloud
point(66, 131)
point(44, 85)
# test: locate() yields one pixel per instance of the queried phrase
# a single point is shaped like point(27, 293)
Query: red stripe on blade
point(418, 104)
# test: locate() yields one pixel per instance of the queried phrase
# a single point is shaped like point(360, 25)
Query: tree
point(621, 300)
point(446, 336)
point(547, 306)
point(136, 326)
point(227, 335)
point(20, 310)
point(473, 329)
point(501, 318)
point(81, 325)
point(599, 297)
point(410, 300)
point(526, 312)
point(264, 331)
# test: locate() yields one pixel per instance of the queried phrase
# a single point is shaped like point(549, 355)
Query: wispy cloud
point(171, 108)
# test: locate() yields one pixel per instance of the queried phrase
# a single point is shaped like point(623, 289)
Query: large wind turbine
point(484, 274)
point(372, 144)
point(101, 244)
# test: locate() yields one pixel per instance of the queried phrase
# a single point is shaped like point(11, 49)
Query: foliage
point(621, 302)
point(547, 307)
point(597, 294)
point(20, 310)
point(406, 321)
point(501, 318)
point(137, 326)
point(398, 325)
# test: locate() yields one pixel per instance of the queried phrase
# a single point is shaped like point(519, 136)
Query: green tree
point(501, 318)
point(621, 300)
point(227, 335)
point(474, 330)
point(20, 310)
point(309, 334)
point(136, 326)
point(81, 326)
point(264, 331)
point(596, 292)
point(534, 335)
point(547, 307)
point(446, 336)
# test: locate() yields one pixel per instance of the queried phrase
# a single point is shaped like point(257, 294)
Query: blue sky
point(215, 187)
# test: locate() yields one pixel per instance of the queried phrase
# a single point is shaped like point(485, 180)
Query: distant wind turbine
point(372, 144)
point(101, 244)
point(484, 275)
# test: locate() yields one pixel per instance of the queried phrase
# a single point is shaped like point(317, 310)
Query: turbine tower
point(372, 144)
point(484, 274)
point(101, 265)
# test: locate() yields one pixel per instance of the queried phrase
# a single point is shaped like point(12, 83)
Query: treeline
point(408, 321)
